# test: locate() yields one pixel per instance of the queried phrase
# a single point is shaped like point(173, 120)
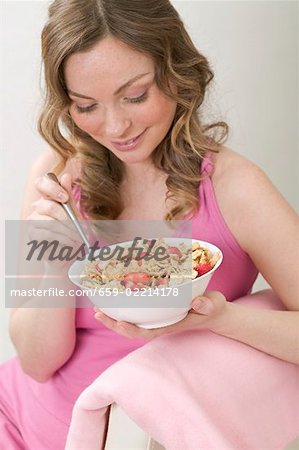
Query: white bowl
point(166, 307)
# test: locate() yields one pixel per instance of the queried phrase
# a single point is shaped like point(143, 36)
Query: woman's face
point(116, 101)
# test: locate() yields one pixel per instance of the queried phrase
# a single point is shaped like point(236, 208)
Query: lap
point(25, 423)
point(244, 397)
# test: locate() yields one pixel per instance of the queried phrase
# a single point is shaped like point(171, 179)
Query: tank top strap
point(207, 198)
point(76, 191)
point(207, 165)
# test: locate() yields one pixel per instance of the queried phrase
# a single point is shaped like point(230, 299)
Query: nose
point(116, 123)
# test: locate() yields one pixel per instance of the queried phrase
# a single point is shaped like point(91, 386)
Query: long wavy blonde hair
point(155, 28)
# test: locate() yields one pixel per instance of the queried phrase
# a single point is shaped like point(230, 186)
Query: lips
point(129, 144)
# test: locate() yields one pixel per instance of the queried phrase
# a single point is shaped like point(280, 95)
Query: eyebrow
point(118, 91)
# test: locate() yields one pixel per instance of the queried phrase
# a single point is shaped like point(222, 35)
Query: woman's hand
point(207, 311)
point(49, 222)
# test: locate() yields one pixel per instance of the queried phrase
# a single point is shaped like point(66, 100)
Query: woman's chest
point(147, 209)
point(145, 204)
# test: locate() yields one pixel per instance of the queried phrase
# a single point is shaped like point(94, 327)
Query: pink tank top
point(237, 273)
point(97, 347)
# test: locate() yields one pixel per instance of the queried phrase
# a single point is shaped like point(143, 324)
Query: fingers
point(209, 304)
point(51, 190)
point(203, 306)
point(45, 207)
point(118, 327)
point(125, 328)
point(49, 204)
point(49, 207)
point(45, 229)
point(53, 194)
point(132, 331)
point(206, 311)
point(47, 210)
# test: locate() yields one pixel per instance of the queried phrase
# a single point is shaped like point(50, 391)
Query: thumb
point(203, 305)
point(212, 302)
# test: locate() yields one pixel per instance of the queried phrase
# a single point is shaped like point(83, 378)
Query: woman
point(127, 83)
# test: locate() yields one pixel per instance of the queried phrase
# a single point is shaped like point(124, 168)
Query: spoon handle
point(70, 212)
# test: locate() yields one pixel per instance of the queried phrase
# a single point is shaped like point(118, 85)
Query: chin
point(133, 157)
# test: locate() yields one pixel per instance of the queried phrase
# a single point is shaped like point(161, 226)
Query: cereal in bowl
point(142, 268)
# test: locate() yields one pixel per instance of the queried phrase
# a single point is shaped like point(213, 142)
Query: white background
point(253, 49)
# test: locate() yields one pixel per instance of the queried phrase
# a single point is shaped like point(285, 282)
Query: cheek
point(160, 112)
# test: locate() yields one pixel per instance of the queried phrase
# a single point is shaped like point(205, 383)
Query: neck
point(142, 172)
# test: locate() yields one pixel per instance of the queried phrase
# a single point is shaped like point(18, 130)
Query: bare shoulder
point(236, 182)
point(44, 162)
point(243, 189)
point(231, 168)
point(48, 161)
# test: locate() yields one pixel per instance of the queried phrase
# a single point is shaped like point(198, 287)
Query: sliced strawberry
point(174, 251)
point(140, 258)
point(201, 269)
point(137, 278)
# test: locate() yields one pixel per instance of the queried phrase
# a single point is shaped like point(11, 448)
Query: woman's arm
point(264, 224)
point(266, 228)
point(44, 338)
point(273, 332)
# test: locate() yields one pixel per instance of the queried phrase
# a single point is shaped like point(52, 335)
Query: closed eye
point(139, 99)
point(84, 109)
point(88, 109)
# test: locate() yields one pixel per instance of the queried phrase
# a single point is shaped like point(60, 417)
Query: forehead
point(110, 62)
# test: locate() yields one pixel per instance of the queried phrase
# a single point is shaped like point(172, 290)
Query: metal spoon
point(70, 212)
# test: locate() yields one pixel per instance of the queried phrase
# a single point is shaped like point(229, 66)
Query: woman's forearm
point(44, 338)
point(271, 331)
